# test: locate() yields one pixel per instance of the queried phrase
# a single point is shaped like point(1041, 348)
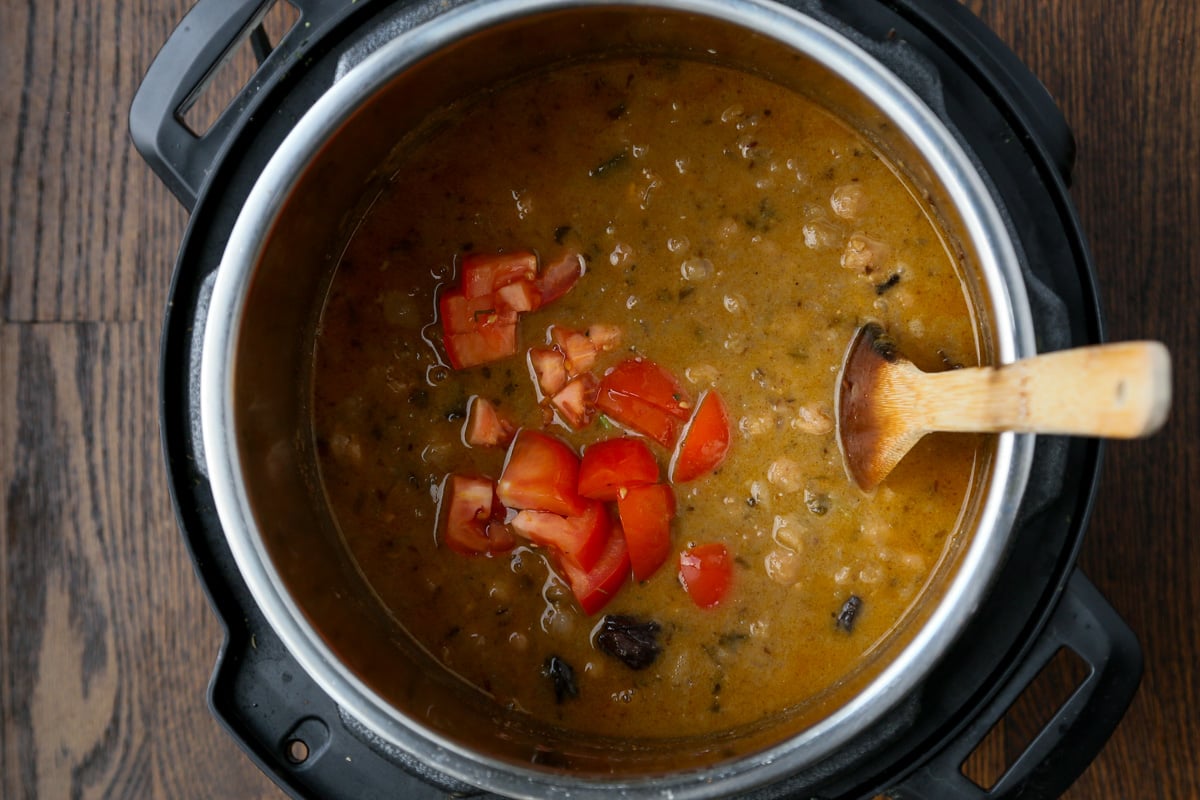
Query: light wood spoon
point(885, 404)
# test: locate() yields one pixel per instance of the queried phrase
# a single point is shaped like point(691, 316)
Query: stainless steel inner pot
point(255, 385)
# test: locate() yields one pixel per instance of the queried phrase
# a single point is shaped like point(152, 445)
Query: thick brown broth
point(737, 234)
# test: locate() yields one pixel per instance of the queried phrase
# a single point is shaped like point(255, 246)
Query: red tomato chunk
point(480, 315)
point(646, 513)
point(580, 539)
point(474, 330)
point(595, 587)
point(558, 277)
point(576, 402)
point(614, 464)
point(484, 426)
point(549, 370)
point(541, 474)
point(706, 572)
point(471, 522)
point(705, 440)
point(484, 273)
point(646, 398)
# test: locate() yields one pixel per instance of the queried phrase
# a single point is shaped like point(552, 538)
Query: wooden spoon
point(885, 404)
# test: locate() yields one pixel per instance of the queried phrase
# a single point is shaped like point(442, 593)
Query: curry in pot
point(573, 396)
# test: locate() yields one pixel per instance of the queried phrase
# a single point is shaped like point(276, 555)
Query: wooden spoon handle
point(1120, 390)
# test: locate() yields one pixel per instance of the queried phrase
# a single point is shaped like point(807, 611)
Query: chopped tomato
point(580, 538)
point(578, 350)
point(549, 370)
point(604, 337)
point(706, 571)
point(646, 513)
point(615, 464)
point(541, 474)
point(558, 278)
point(476, 331)
point(705, 441)
point(484, 426)
point(462, 314)
point(638, 415)
point(576, 402)
point(645, 397)
point(647, 381)
point(595, 587)
point(520, 295)
point(471, 349)
point(469, 520)
point(483, 273)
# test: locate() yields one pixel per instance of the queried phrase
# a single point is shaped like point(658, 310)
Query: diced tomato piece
point(706, 572)
point(595, 587)
point(549, 370)
point(480, 347)
point(484, 426)
point(578, 350)
point(476, 330)
point(461, 314)
point(576, 402)
point(638, 415)
point(705, 441)
point(615, 464)
point(646, 513)
point(580, 539)
point(520, 295)
point(483, 273)
point(541, 473)
point(604, 337)
point(558, 278)
point(467, 515)
point(647, 381)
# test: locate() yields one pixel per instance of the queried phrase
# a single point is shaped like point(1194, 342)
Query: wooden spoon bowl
point(885, 404)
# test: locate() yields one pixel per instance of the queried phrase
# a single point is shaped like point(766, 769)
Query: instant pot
point(300, 706)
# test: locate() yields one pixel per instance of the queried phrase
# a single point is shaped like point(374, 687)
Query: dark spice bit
point(817, 502)
point(631, 641)
point(882, 288)
point(600, 170)
point(616, 112)
point(884, 345)
point(731, 640)
point(563, 676)
point(419, 398)
point(456, 413)
point(849, 613)
point(560, 233)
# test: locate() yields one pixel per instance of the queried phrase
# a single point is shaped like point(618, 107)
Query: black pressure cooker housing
point(1039, 603)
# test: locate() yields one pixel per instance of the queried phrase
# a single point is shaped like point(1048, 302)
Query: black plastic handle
point(1085, 623)
point(204, 37)
point(209, 33)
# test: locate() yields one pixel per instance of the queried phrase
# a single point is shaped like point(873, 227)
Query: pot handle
point(210, 32)
point(1085, 623)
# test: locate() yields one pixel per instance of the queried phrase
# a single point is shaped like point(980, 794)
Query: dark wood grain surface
point(106, 640)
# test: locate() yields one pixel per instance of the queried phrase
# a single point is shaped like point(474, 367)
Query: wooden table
point(106, 639)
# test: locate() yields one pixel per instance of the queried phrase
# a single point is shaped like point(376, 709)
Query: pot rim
point(1009, 311)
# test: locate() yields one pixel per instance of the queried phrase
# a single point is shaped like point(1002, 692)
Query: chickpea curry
point(573, 396)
